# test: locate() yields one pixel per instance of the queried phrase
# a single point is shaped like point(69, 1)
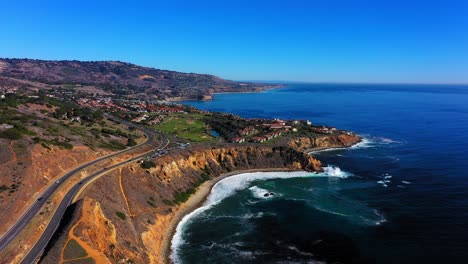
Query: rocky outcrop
point(307, 144)
point(141, 203)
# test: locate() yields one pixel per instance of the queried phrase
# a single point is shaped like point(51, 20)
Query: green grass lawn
point(187, 126)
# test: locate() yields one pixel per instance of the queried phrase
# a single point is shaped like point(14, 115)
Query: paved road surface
point(54, 223)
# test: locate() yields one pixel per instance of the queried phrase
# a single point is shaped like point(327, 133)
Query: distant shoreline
point(180, 99)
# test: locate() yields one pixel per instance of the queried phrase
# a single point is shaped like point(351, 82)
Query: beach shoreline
point(197, 200)
point(200, 196)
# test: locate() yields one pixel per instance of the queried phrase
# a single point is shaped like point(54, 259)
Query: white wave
point(261, 193)
point(365, 143)
point(230, 185)
point(369, 142)
point(295, 249)
point(383, 183)
point(406, 182)
point(388, 141)
point(219, 192)
point(329, 211)
point(334, 171)
point(382, 218)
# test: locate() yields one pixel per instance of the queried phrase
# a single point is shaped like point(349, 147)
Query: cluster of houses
point(273, 128)
point(262, 130)
point(8, 90)
point(166, 109)
point(104, 103)
point(247, 131)
point(267, 137)
point(129, 105)
point(324, 129)
point(258, 139)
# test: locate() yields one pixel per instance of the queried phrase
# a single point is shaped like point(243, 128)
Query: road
point(26, 218)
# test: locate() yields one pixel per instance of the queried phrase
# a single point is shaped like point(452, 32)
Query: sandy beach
point(195, 201)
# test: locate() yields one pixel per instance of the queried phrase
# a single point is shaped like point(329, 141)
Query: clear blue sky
point(314, 40)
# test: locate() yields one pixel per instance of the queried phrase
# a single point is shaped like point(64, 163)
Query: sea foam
point(230, 185)
point(334, 171)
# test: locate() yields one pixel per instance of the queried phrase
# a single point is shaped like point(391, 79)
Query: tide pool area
point(400, 196)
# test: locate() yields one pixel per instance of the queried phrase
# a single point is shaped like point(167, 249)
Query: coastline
point(195, 201)
point(200, 196)
point(181, 99)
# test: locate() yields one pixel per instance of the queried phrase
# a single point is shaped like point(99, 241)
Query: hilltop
point(117, 77)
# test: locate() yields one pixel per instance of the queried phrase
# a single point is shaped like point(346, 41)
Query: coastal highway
point(26, 218)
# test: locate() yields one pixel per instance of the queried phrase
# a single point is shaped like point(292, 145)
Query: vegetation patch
point(112, 145)
point(182, 197)
point(73, 250)
point(148, 164)
point(121, 215)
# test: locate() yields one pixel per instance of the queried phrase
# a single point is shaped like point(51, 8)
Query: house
point(76, 119)
point(238, 140)
point(138, 119)
point(259, 139)
point(247, 131)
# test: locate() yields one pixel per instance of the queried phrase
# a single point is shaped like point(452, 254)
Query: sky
point(374, 41)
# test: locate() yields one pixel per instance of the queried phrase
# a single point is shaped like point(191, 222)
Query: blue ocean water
point(402, 197)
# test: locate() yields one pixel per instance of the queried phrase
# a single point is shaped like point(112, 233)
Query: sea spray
point(334, 171)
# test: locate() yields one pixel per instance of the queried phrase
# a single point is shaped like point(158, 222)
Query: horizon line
point(254, 81)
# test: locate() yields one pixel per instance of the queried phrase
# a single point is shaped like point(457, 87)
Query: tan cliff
point(139, 204)
point(308, 144)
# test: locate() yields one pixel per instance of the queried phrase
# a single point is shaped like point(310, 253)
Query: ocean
point(401, 196)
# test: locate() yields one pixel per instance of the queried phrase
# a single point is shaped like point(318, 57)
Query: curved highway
point(26, 218)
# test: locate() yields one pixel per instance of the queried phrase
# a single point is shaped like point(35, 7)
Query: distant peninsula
point(119, 78)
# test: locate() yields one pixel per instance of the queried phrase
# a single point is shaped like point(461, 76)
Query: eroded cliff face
point(327, 141)
point(140, 204)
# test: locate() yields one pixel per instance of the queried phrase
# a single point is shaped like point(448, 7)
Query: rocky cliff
point(308, 144)
point(135, 206)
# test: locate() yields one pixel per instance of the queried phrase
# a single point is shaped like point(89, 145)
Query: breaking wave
point(334, 171)
point(260, 193)
point(230, 185)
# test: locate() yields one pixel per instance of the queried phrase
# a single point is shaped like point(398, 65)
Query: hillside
point(116, 77)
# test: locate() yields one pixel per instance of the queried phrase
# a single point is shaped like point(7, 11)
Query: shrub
point(11, 133)
point(131, 142)
point(121, 215)
point(148, 164)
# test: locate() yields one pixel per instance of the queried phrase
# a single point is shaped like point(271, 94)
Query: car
point(40, 198)
point(57, 181)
